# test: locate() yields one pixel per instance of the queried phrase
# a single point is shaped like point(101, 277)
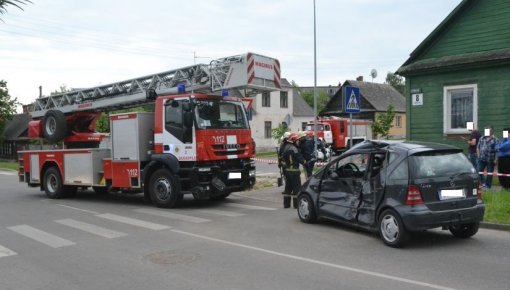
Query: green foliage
point(277, 132)
point(396, 82)
point(7, 107)
point(322, 98)
point(382, 125)
point(15, 3)
point(103, 123)
point(63, 89)
point(9, 165)
point(497, 207)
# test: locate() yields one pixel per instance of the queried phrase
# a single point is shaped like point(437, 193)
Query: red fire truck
point(335, 131)
point(196, 140)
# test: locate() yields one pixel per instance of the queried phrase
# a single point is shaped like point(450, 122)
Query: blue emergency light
point(224, 93)
point(181, 88)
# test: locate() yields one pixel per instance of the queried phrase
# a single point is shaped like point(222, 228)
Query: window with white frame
point(266, 99)
point(398, 121)
point(460, 105)
point(284, 99)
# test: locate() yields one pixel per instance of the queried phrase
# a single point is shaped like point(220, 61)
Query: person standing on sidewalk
point(486, 150)
point(291, 158)
point(503, 148)
point(307, 147)
point(474, 137)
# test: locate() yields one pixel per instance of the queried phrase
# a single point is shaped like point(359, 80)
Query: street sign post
point(352, 105)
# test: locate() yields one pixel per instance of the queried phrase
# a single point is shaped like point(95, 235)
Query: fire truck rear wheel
point(164, 189)
point(54, 126)
point(52, 183)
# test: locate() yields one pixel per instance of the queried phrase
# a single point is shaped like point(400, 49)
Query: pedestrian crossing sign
point(351, 100)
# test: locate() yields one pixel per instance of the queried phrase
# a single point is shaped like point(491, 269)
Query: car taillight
point(413, 196)
point(479, 191)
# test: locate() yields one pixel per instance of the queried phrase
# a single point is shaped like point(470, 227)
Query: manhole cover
point(172, 257)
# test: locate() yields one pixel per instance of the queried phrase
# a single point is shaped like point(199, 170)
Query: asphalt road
point(245, 242)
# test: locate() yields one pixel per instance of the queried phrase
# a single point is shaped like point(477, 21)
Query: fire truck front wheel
point(164, 189)
point(52, 183)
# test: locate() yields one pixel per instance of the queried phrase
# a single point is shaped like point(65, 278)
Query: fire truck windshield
point(320, 127)
point(220, 114)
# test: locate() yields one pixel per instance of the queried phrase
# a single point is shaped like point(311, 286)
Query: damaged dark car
point(395, 189)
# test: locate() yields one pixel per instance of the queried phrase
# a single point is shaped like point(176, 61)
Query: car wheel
point(392, 230)
point(164, 189)
point(306, 211)
point(464, 231)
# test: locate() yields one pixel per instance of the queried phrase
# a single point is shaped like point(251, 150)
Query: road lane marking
point(133, 222)
point(5, 252)
point(79, 209)
point(41, 236)
point(221, 212)
point(171, 215)
point(8, 173)
point(92, 229)
point(317, 262)
point(246, 206)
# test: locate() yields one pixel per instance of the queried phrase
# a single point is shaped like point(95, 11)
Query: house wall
point(483, 26)
point(399, 132)
point(276, 115)
point(425, 123)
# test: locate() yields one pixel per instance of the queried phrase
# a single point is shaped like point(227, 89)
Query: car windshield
point(440, 164)
point(220, 114)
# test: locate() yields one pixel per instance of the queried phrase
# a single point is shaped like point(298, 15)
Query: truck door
point(328, 135)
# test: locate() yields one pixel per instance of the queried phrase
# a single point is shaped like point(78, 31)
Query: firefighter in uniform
point(291, 158)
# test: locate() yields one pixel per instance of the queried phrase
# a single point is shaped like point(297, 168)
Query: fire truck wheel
point(52, 183)
point(54, 126)
point(164, 189)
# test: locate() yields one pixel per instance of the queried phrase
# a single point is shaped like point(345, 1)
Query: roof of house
point(16, 127)
point(374, 97)
point(415, 63)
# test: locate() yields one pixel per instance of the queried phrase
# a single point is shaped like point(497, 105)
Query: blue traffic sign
point(351, 100)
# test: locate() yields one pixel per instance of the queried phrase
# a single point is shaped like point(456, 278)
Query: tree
point(278, 131)
point(382, 125)
point(7, 107)
point(307, 95)
point(396, 82)
point(63, 89)
point(15, 3)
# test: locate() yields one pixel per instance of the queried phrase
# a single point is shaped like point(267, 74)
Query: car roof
point(411, 147)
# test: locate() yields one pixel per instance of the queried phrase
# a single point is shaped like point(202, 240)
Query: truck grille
point(229, 149)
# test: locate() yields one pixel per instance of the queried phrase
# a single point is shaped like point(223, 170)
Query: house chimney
point(40, 91)
point(359, 79)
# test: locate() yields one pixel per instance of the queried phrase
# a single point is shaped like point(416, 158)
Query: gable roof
point(454, 43)
point(374, 97)
point(16, 127)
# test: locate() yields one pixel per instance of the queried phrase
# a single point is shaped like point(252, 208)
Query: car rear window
point(433, 164)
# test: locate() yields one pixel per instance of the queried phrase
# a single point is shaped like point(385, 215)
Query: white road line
point(246, 206)
point(133, 222)
point(317, 262)
point(221, 212)
point(8, 173)
point(93, 229)
point(79, 209)
point(268, 173)
point(41, 236)
point(4, 252)
point(167, 214)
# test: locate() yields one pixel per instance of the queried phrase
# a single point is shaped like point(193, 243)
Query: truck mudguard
point(169, 160)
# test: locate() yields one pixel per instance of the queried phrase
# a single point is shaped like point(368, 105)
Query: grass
point(497, 206)
point(8, 165)
point(268, 154)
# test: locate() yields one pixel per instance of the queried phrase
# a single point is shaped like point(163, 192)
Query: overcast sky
point(87, 43)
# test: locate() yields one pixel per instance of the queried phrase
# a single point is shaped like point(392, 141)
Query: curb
point(501, 227)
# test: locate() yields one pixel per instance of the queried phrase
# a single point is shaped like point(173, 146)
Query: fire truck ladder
point(200, 78)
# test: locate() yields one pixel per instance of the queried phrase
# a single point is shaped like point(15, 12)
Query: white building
point(269, 110)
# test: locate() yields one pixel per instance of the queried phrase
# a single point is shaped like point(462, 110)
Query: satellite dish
point(373, 73)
